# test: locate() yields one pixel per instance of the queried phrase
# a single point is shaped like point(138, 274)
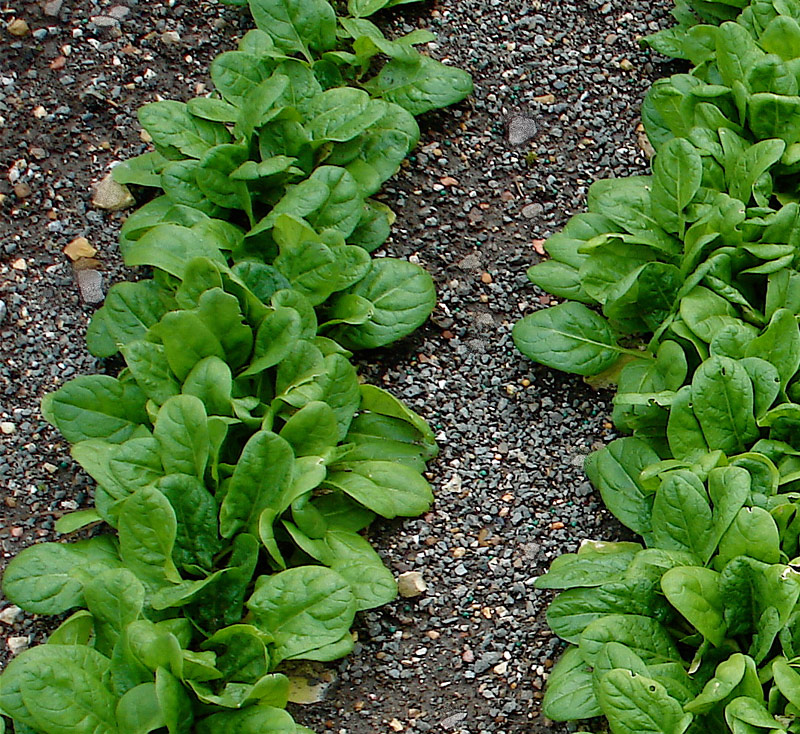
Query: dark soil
point(471, 655)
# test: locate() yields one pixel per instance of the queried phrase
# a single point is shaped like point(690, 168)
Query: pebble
point(18, 27)
point(52, 8)
point(411, 584)
point(22, 190)
point(520, 129)
point(17, 644)
point(7, 427)
point(108, 194)
point(531, 211)
point(78, 248)
point(90, 283)
point(10, 614)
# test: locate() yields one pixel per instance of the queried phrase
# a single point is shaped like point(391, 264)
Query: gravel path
point(471, 654)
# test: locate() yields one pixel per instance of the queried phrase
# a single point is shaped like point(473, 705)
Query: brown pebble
point(18, 27)
point(448, 181)
point(59, 62)
point(447, 334)
point(22, 190)
point(16, 532)
point(486, 278)
point(557, 526)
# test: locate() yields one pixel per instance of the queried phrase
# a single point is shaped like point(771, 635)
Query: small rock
point(170, 38)
point(22, 190)
point(90, 282)
point(520, 129)
point(532, 211)
point(18, 27)
point(19, 264)
point(7, 427)
point(411, 584)
point(451, 721)
point(108, 194)
point(10, 614)
point(17, 644)
point(396, 725)
point(3, 311)
point(468, 656)
point(501, 668)
point(50, 468)
point(645, 144)
point(119, 12)
point(58, 63)
point(453, 484)
point(545, 99)
point(448, 181)
point(53, 8)
point(104, 21)
point(626, 65)
point(486, 278)
point(78, 248)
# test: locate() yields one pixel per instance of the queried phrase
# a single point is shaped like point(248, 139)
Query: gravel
point(558, 87)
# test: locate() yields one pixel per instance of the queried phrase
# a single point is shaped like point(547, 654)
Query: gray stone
point(520, 129)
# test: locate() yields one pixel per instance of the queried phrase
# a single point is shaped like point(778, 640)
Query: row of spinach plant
point(683, 287)
point(238, 457)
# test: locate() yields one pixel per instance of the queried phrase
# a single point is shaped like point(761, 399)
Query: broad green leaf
point(149, 366)
point(96, 406)
point(212, 383)
point(590, 567)
point(420, 84)
point(775, 116)
point(260, 480)
point(615, 471)
point(341, 114)
point(171, 247)
point(645, 636)
point(182, 433)
point(568, 337)
point(303, 608)
point(752, 533)
point(695, 593)
point(312, 430)
point(574, 609)
point(276, 335)
point(138, 710)
point(171, 125)
point(389, 489)
point(197, 538)
point(296, 26)
point(779, 344)
point(257, 719)
point(570, 693)
point(129, 310)
point(682, 517)
point(147, 529)
point(722, 396)
point(235, 73)
point(677, 174)
point(402, 295)
point(60, 688)
point(636, 704)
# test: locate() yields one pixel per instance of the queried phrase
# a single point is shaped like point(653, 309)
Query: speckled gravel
point(564, 81)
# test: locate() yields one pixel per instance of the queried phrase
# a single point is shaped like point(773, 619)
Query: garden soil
point(558, 88)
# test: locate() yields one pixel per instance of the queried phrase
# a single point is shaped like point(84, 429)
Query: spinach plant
point(682, 287)
point(238, 457)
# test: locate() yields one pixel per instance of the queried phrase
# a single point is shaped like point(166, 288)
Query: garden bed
point(472, 653)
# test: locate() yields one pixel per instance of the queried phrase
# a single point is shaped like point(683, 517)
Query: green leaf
point(677, 175)
point(60, 688)
point(341, 114)
point(142, 170)
point(212, 383)
point(420, 84)
point(752, 533)
point(256, 719)
point(779, 344)
point(138, 710)
point(722, 395)
point(147, 529)
point(303, 608)
point(149, 366)
point(695, 593)
point(115, 597)
point(171, 247)
point(276, 335)
point(645, 636)
point(570, 691)
point(96, 406)
point(574, 609)
point(682, 516)
point(636, 704)
point(568, 337)
point(235, 73)
point(775, 116)
point(73, 521)
point(182, 433)
point(615, 471)
point(402, 295)
point(129, 310)
point(196, 539)
point(297, 27)
point(171, 125)
point(591, 567)
point(312, 430)
point(260, 480)
point(389, 489)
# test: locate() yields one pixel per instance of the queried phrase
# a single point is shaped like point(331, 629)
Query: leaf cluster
point(237, 455)
point(682, 287)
